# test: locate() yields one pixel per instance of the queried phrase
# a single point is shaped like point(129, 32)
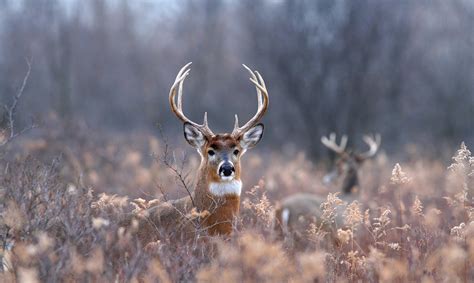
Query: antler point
point(205, 118)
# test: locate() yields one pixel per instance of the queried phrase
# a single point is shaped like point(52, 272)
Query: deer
point(215, 200)
point(296, 212)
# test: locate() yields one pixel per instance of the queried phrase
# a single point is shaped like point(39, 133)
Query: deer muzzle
point(226, 170)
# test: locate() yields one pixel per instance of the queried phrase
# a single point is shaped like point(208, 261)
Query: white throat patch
point(233, 187)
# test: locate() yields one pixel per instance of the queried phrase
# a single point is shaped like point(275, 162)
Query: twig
point(12, 110)
point(160, 187)
point(179, 174)
point(165, 159)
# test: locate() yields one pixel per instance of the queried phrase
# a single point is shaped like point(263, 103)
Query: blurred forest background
point(404, 69)
point(98, 90)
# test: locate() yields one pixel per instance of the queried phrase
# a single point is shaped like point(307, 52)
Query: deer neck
point(220, 199)
point(350, 183)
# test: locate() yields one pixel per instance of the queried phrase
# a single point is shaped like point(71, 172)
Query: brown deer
point(296, 212)
point(215, 201)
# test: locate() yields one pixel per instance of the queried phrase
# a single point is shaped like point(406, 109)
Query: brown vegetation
point(298, 212)
point(412, 221)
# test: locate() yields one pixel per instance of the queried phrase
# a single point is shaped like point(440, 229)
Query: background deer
point(215, 201)
point(298, 211)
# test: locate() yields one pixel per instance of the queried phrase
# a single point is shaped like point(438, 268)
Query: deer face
point(345, 167)
point(348, 162)
point(221, 153)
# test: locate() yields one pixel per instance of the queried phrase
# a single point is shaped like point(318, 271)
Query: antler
point(178, 108)
point(331, 143)
point(262, 100)
point(374, 144)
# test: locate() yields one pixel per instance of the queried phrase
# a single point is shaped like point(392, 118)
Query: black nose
point(226, 169)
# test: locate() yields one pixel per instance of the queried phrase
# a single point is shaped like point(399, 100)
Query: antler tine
point(262, 103)
point(236, 123)
point(180, 91)
point(343, 143)
point(177, 106)
point(259, 94)
point(332, 144)
point(373, 143)
point(264, 86)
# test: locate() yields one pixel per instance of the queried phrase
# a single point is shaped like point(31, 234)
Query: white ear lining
point(253, 134)
point(252, 137)
point(193, 136)
point(192, 133)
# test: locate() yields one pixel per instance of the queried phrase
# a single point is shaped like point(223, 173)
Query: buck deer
point(216, 196)
point(296, 212)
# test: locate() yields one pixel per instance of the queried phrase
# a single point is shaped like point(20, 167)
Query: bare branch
point(11, 110)
point(179, 172)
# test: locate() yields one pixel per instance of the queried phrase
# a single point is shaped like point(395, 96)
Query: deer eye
point(211, 152)
point(236, 152)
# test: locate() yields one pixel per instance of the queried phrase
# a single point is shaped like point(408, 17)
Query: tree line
point(404, 69)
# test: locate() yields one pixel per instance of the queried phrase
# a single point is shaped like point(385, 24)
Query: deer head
point(348, 162)
point(220, 153)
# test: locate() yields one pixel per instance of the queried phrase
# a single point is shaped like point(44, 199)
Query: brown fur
point(220, 220)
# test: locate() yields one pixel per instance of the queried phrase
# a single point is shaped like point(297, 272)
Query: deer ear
point(252, 136)
point(194, 136)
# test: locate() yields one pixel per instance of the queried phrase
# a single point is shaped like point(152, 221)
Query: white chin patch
point(231, 187)
point(227, 178)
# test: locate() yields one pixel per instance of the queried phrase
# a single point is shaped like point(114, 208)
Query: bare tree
point(345, 66)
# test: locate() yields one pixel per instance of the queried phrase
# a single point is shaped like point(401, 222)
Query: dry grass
point(413, 221)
